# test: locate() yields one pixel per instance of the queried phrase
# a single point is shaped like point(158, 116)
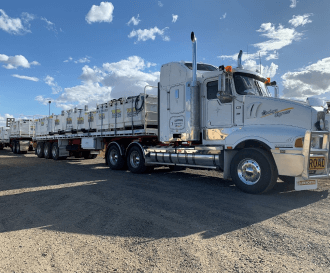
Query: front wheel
point(135, 160)
point(115, 160)
point(253, 170)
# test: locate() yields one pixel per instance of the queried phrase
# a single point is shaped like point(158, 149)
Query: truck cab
point(229, 112)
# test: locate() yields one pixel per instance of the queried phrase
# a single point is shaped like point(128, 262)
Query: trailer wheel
point(40, 149)
point(115, 160)
point(48, 150)
point(13, 148)
point(18, 147)
point(135, 160)
point(55, 151)
point(253, 170)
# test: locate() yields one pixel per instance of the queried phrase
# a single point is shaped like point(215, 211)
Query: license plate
point(316, 163)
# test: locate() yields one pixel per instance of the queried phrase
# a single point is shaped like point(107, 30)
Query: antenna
point(260, 61)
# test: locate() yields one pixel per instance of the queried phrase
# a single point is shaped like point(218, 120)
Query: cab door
point(218, 114)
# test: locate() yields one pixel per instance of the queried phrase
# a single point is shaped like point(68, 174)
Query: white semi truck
point(209, 117)
point(19, 136)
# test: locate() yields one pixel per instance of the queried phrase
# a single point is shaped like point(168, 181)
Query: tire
point(40, 149)
point(48, 150)
point(115, 160)
point(18, 147)
point(287, 179)
point(13, 149)
point(135, 160)
point(55, 151)
point(253, 170)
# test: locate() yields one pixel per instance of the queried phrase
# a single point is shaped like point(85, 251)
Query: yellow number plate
point(316, 163)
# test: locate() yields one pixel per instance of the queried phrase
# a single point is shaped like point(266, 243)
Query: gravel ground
point(79, 216)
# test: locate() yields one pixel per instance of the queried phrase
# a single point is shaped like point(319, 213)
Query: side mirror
point(222, 82)
point(222, 95)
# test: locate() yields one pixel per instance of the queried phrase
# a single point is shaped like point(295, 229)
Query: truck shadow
point(73, 196)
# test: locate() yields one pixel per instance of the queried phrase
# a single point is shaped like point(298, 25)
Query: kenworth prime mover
point(209, 117)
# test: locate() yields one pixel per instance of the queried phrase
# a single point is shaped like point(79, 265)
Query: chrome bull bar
point(308, 152)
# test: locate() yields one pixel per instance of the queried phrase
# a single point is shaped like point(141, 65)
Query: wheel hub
point(135, 159)
point(113, 157)
point(249, 171)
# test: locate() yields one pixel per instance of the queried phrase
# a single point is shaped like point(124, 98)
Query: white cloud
point(245, 56)
point(94, 74)
point(223, 16)
point(134, 21)
point(11, 25)
point(174, 18)
point(272, 56)
point(279, 37)
point(34, 79)
point(51, 82)
point(112, 80)
point(308, 81)
point(160, 4)
point(83, 60)
point(293, 3)
point(266, 71)
point(300, 20)
point(13, 62)
point(146, 34)
point(101, 13)
point(68, 60)
point(49, 25)
point(26, 18)
point(3, 119)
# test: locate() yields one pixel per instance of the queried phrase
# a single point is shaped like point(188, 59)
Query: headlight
point(315, 142)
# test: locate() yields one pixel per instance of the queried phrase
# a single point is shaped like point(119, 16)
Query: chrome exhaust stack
point(194, 59)
point(239, 59)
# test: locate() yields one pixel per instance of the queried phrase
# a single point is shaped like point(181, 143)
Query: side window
point(212, 89)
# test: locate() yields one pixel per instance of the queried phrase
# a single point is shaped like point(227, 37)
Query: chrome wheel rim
point(113, 157)
point(46, 151)
point(134, 159)
point(249, 171)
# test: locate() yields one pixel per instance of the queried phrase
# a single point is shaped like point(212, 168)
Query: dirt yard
point(79, 216)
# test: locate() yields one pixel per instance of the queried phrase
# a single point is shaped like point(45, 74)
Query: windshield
point(249, 84)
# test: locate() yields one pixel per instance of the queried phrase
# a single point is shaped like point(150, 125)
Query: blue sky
point(87, 52)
